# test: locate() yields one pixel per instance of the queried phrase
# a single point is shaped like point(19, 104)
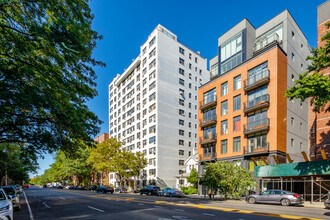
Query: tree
point(15, 164)
point(109, 157)
point(46, 74)
point(313, 84)
point(227, 178)
point(193, 178)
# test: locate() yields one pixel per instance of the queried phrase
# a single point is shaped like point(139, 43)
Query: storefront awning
point(320, 167)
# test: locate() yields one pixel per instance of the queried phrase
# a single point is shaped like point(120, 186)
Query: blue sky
point(125, 25)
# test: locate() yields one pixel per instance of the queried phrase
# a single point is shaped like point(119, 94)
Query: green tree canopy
point(227, 178)
point(46, 74)
point(193, 178)
point(313, 84)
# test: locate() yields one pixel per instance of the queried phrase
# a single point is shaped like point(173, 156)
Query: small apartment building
point(153, 107)
point(244, 116)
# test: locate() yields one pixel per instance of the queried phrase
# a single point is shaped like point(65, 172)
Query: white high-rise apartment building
point(153, 106)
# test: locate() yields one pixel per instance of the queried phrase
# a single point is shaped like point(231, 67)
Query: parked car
point(121, 190)
point(137, 190)
point(105, 189)
point(171, 192)
point(59, 187)
point(327, 202)
point(44, 186)
point(81, 188)
point(11, 192)
point(19, 189)
point(150, 190)
point(92, 188)
point(66, 187)
point(6, 207)
point(282, 197)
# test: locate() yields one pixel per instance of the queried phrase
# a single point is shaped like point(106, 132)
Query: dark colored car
point(105, 189)
point(81, 188)
point(282, 197)
point(150, 190)
point(59, 187)
point(71, 187)
point(92, 188)
point(10, 191)
point(44, 186)
point(121, 190)
point(171, 192)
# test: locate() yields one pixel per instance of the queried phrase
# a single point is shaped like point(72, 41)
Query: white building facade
point(153, 107)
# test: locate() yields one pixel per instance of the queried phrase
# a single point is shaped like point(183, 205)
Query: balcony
point(265, 42)
point(256, 126)
point(255, 150)
point(257, 80)
point(208, 102)
point(208, 156)
point(207, 121)
point(256, 104)
point(208, 139)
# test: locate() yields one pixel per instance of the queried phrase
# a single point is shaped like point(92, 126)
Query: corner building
point(153, 107)
point(244, 116)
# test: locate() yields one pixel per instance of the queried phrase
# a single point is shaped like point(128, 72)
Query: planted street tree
point(227, 178)
point(46, 74)
point(193, 178)
point(313, 84)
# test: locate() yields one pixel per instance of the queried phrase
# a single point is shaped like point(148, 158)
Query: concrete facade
point(153, 106)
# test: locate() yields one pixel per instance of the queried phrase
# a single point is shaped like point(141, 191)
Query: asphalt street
point(73, 204)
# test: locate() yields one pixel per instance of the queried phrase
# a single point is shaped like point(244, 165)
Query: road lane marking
point(28, 205)
point(62, 198)
point(47, 206)
point(179, 210)
point(208, 214)
point(95, 208)
point(140, 203)
point(156, 206)
point(233, 210)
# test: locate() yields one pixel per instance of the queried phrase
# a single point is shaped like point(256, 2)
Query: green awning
point(320, 167)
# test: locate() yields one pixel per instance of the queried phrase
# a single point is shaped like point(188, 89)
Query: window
point(152, 42)
point(292, 77)
point(189, 55)
point(181, 142)
point(237, 123)
point(195, 59)
point(224, 88)
point(181, 50)
point(181, 112)
point(292, 142)
point(152, 97)
point(292, 34)
point(181, 132)
point(152, 85)
point(181, 122)
point(189, 85)
point(152, 64)
point(237, 144)
point(144, 50)
point(152, 75)
point(181, 91)
point(190, 66)
point(237, 82)
point(292, 121)
point(152, 107)
point(152, 53)
point(181, 152)
point(181, 162)
point(257, 96)
point(237, 102)
point(209, 96)
point(300, 125)
point(223, 146)
point(189, 134)
point(257, 141)
point(181, 82)
point(181, 102)
point(292, 56)
point(181, 61)
point(152, 172)
point(224, 108)
point(144, 62)
point(224, 127)
point(181, 71)
point(152, 118)
point(152, 129)
point(189, 125)
point(257, 73)
point(152, 140)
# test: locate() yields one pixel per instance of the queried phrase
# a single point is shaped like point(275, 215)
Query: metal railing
point(259, 77)
point(262, 43)
point(256, 125)
point(208, 101)
point(208, 119)
point(208, 156)
point(260, 101)
point(257, 149)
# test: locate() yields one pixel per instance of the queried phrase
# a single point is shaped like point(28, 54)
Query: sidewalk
point(319, 205)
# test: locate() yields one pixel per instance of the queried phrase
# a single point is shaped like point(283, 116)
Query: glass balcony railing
point(208, 156)
point(208, 120)
point(257, 79)
point(252, 149)
point(256, 103)
point(208, 101)
point(256, 126)
point(208, 138)
point(262, 43)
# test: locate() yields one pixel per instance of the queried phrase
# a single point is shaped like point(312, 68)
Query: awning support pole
point(312, 193)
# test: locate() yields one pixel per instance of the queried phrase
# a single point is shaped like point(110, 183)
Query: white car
point(6, 207)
